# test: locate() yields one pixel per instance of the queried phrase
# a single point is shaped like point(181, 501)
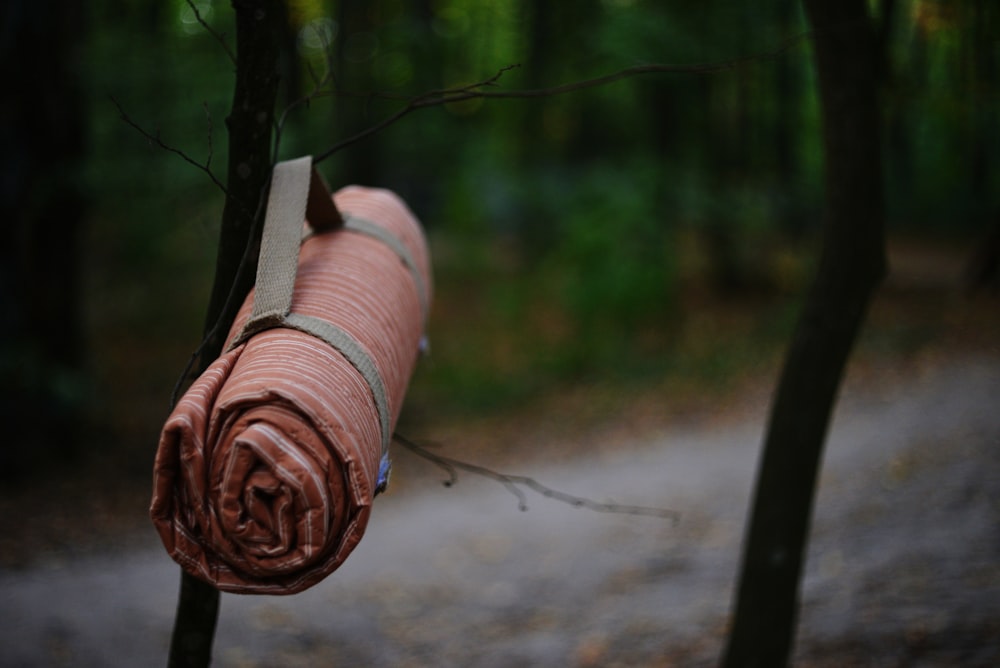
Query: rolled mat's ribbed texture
point(267, 467)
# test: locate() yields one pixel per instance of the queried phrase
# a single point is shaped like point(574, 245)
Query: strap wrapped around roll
point(267, 467)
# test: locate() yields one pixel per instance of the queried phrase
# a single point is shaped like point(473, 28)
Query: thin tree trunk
point(250, 123)
point(786, 128)
point(258, 35)
point(357, 164)
point(851, 266)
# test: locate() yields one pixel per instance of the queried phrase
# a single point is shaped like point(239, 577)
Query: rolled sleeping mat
point(267, 467)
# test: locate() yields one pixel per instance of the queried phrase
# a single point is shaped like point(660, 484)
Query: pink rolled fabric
point(267, 467)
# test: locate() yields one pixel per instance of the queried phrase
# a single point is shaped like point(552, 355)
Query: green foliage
point(557, 222)
point(612, 263)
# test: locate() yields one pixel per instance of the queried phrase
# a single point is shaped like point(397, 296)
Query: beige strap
point(349, 347)
point(299, 193)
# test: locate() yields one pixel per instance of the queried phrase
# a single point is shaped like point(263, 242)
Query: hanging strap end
point(321, 211)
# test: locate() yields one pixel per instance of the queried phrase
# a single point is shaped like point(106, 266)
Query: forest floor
point(903, 566)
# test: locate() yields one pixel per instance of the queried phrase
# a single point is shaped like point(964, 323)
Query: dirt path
point(904, 568)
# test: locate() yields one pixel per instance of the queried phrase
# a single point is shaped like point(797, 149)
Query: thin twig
point(155, 139)
point(205, 167)
point(476, 90)
point(319, 83)
point(514, 484)
point(220, 38)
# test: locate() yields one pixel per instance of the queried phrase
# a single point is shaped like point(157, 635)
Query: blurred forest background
point(660, 227)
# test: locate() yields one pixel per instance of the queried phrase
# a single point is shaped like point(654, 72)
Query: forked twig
point(157, 140)
point(220, 38)
point(479, 90)
point(515, 483)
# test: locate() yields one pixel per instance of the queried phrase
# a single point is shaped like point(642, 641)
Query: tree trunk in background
point(729, 157)
point(786, 126)
point(554, 134)
point(289, 66)
point(355, 48)
point(981, 22)
point(536, 150)
point(42, 206)
point(851, 266)
point(249, 123)
point(979, 66)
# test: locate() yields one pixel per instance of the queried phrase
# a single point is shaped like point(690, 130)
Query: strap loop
point(298, 193)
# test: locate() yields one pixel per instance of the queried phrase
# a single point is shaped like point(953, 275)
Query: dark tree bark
point(250, 123)
point(979, 67)
point(852, 264)
point(42, 206)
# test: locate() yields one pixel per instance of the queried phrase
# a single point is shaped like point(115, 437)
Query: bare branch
point(216, 329)
point(156, 140)
point(220, 38)
point(319, 83)
point(515, 483)
point(477, 90)
point(189, 371)
point(427, 99)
